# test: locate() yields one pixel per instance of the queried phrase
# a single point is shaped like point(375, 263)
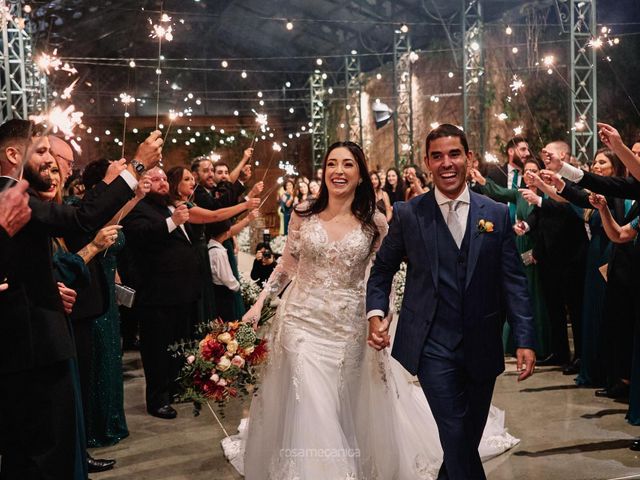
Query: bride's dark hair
point(364, 202)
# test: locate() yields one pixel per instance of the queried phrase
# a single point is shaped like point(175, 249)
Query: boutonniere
point(485, 226)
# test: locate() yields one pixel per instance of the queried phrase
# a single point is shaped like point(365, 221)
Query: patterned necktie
point(453, 222)
point(512, 206)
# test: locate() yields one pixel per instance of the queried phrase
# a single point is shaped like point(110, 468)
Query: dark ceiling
point(101, 37)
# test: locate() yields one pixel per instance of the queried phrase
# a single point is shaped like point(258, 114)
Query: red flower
point(260, 354)
point(212, 349)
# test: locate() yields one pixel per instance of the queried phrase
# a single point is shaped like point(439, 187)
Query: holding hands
point(378, 333)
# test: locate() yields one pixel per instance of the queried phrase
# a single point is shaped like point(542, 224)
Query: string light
point(289, 25)
point(508, 30)
point(224, 64)
point(404, 28)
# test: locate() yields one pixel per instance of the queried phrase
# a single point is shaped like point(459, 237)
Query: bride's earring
point(360, 182)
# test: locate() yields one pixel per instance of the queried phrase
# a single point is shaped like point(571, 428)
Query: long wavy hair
point(174, 177)
point(364, 202)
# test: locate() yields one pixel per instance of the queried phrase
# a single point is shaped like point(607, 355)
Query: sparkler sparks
point(490, 158)
point(516, 85)
point(59, 120)
point(66, 93)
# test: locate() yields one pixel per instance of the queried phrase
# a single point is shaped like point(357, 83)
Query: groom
point(463, 274)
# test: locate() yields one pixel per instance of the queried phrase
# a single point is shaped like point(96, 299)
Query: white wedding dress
point(329, 407)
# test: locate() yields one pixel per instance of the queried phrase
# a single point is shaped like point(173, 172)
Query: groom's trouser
point(460, 406)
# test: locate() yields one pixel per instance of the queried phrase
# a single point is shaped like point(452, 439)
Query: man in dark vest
point(463, 272)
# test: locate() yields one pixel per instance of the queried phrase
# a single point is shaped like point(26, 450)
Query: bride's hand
point(378, 333)
point(253, 315)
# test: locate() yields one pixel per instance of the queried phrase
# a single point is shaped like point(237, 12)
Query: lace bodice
point(322, 264)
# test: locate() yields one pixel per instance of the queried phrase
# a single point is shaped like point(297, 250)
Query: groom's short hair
point(447, 130)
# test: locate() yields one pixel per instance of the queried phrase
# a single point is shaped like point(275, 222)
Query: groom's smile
point(448, 162)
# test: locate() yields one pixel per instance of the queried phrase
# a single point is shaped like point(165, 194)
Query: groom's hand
point(378, 333)
point(526, 359)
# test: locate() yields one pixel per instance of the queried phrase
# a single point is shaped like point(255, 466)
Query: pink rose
point(215, 378)
point(191, 359)
point(237, 361)
point(222, 382)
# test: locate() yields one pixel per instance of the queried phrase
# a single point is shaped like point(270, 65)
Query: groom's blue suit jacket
point(495, 284)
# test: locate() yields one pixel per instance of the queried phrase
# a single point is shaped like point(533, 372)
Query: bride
point(329, 407)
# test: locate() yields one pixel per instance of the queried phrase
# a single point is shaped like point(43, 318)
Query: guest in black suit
point(38, 431)
point(14, 214)
point(168, 287)
point(504, 175)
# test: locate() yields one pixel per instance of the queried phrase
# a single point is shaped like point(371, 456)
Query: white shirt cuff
point(375, 313)
point(570, 172)
point(171, 224)
point(539, 202)
point(527, 228)
point(129, 178)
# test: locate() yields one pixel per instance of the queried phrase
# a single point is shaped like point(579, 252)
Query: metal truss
point(583, 80)
point(353, 85)
point(403, 125)
point(23, 88)
point(473, 74)
point(318, 119)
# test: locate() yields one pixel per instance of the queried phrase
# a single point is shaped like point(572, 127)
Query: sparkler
point(161, 32)
point(516, 85)
point(126, 99)
point(262, 121)
point(172, 116)
point(66, 93)
point(275, 148)
point(56, 120)
point(46, 63)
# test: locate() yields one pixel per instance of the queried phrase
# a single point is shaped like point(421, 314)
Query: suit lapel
point(166, 213)
point(426, 213)
point(476, 209)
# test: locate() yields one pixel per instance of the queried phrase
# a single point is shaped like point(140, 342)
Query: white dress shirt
point(443, 203)
point(171, 225)
point(220, 267)
point(510, 172)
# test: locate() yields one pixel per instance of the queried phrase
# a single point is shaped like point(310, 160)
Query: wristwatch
point(137, 166)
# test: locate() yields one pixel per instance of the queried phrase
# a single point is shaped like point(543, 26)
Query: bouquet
point(399, 280)
point(222, 365)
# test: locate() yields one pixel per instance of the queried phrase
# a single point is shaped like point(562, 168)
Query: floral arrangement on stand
point(277, 244)
point(244, 240)
point(222, 365)
point(399, 280)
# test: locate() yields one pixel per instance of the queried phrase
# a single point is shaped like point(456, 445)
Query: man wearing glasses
point(63, 154)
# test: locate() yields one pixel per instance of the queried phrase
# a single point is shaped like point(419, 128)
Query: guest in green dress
point(595, 334)
point(106, 422)
point(525, 245)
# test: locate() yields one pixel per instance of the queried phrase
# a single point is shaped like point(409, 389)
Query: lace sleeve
point(383, 227)
point(288, 264)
